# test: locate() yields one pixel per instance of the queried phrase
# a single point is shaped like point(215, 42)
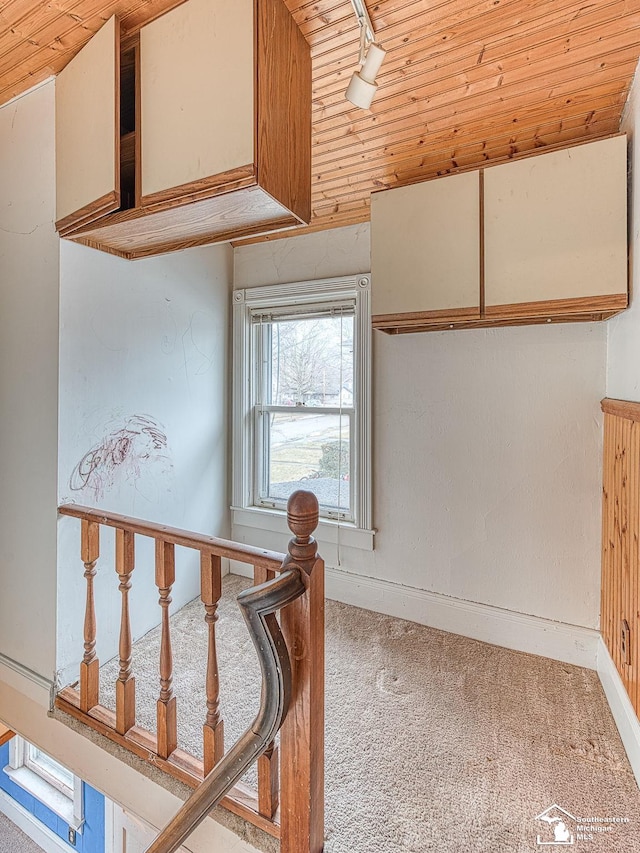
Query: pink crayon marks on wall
point(124, 454)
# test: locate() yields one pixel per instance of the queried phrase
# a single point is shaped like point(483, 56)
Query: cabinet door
point(88, 131)
point(425, 248)
point(556, 227)
point(196, 94)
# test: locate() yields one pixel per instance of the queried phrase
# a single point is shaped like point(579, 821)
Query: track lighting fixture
point(362, 86)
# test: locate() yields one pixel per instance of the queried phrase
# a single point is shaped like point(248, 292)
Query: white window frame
point(33, 776)
point(245, 509)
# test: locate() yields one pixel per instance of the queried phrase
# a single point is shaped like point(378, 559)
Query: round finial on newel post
point(302, 517)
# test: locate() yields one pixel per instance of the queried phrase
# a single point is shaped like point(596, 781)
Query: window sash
point(50, 770)
point(262, 460)
point(261, 353)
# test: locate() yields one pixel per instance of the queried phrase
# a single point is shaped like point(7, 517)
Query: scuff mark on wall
point(124, 453)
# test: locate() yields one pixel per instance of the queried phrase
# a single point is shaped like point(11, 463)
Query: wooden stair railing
point(258, 607)
point(290, 808)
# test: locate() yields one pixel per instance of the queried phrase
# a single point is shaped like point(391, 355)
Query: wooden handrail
point(269, 560)
point(289, 801)
point(628, 409)
point(259, 605)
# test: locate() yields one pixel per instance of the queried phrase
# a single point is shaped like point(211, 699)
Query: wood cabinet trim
point(116, 118)
point(215, 219)
point(410, 318)
point(138, 123)
point(135, 213)
point(628, 409)
point(187, 243)
point(429, 324)
point(282, 66)
point(88, 214)
point(577, 305)
point(195, 190)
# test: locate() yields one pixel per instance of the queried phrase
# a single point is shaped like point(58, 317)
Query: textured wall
point(486, 450)
point(143, 418)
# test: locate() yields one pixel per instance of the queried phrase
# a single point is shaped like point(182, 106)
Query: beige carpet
point(13, 840)
point(434, 742)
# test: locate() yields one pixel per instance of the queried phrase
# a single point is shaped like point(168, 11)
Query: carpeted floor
point(434, 742)
point(13, 840)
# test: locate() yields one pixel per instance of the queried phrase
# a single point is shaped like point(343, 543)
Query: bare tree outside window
point(312, 360)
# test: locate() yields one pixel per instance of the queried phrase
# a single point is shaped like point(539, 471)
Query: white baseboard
point(532, 634)
point(621, 707)
point(558, 640)
point(31, 826)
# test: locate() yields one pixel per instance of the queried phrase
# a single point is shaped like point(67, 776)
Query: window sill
point(328, 531)
point(46, 794)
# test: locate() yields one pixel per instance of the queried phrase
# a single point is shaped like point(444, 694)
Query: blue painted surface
point(92, 838)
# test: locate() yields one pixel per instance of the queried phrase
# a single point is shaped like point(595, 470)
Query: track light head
point(362, 86)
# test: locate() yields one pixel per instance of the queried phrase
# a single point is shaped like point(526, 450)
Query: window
point(49, 769)
point(47, 780)
point(302, 357)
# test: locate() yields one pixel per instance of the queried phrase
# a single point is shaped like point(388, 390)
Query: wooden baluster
point(268, 782)
point(166, 706)
point(90, 666)
point(268, 777)
point(262, 574)
point(210, 592)
point(126, 683)
point(302, 734)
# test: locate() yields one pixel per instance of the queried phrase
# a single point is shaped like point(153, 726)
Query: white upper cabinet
point(425, 248)
point(196, 93)
point(87, 131)
point(194, 130)
point(555, 225)
point(538, 239)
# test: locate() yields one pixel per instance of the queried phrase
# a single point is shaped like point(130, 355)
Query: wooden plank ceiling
point(464, 82)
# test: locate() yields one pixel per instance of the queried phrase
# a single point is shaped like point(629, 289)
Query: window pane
point(305, 450)
point(40, 762)
point(311, 362)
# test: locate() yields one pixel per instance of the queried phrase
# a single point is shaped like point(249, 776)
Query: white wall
point(486, 450)
point(28, 382)
point(623, 358)
point(145, 339)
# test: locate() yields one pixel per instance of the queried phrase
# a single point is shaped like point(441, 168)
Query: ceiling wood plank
point(464, 82)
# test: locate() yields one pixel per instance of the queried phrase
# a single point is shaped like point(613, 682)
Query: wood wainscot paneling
point(620, 603)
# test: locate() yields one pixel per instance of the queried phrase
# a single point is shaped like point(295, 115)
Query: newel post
point(302, 734)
